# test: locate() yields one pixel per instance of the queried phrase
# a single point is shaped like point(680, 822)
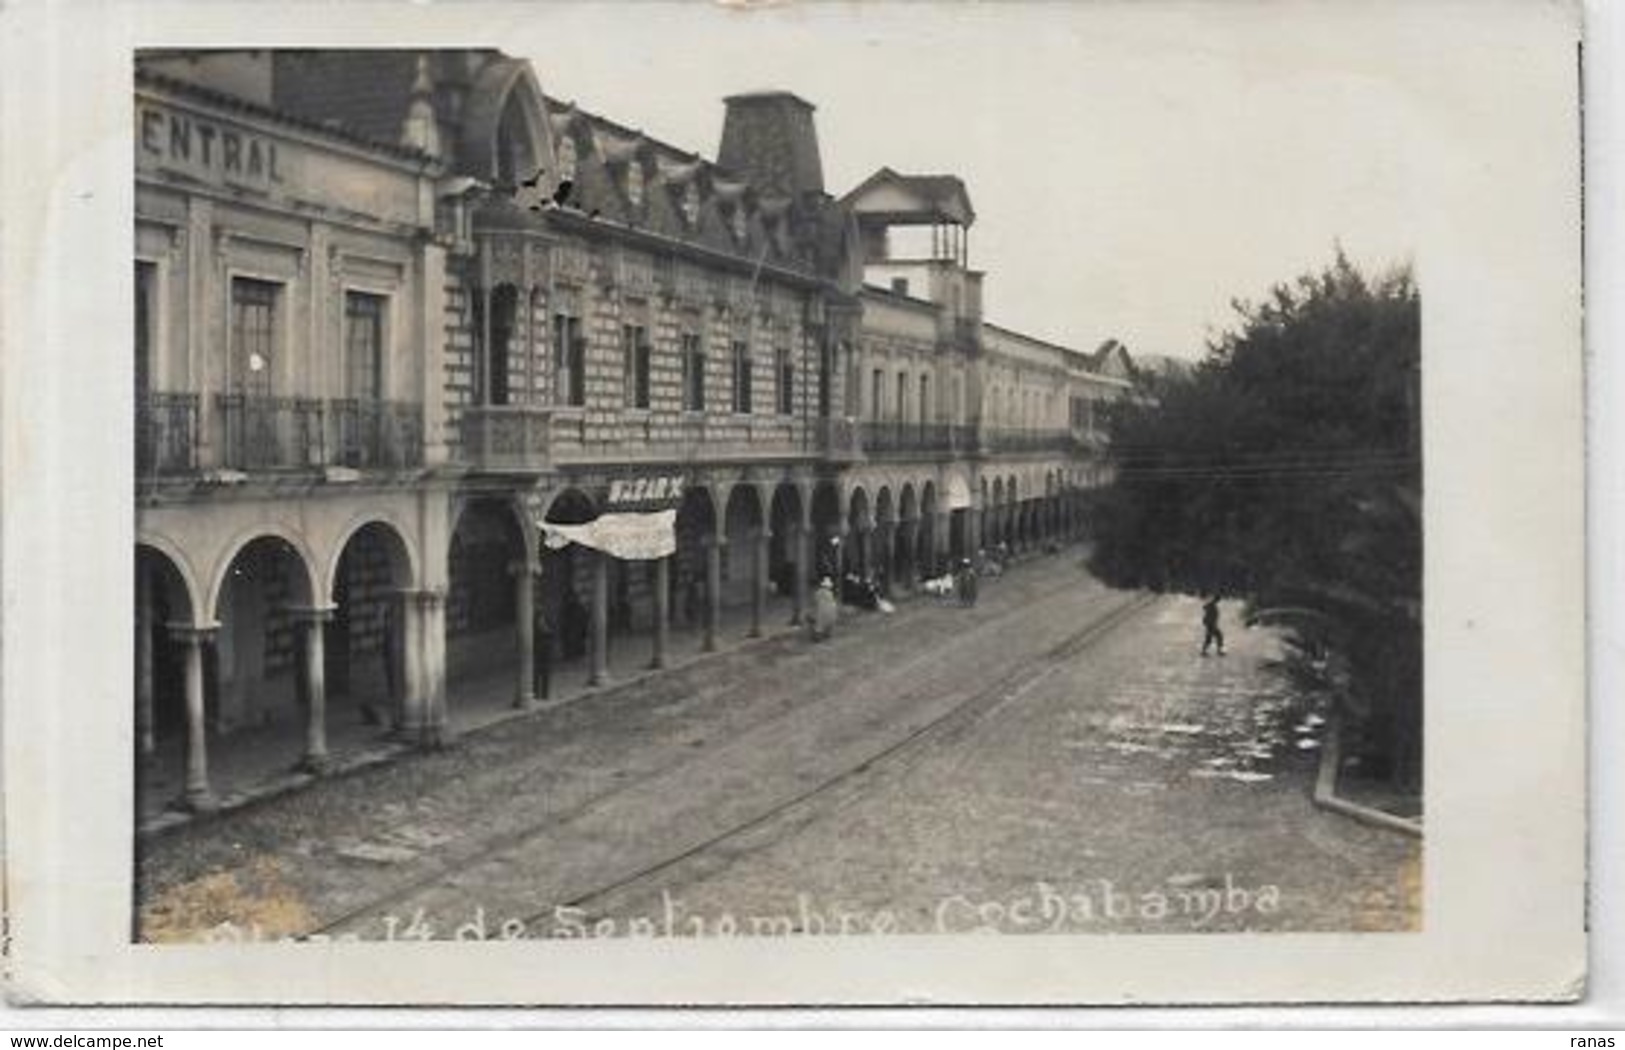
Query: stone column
point(600, 619)
point(882, 539)
point(662, 589)
point(198, 797)
point(411, 713)
point(908, 529)
point(431, 615)
point(312, 622)
point(524, 605)
point(713, 591)
point(800, 539)
point(759, 581)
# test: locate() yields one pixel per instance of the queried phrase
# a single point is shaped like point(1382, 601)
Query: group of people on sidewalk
point(962, 583)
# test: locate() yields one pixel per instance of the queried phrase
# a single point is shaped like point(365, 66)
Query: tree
point(1286, 469)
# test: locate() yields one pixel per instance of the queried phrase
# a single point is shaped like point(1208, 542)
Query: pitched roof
point(366, 92)
point(937, 196)
point(390, 144)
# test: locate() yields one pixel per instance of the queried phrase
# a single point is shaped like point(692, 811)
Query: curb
point(1326, 796)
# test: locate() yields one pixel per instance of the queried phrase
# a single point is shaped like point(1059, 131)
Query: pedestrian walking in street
point(824, 610)
point(1210, 625)
point(969, 583)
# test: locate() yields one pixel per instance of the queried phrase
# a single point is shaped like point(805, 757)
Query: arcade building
point(433, 369)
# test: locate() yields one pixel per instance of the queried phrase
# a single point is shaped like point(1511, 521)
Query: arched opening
point(692, 580)
point(259, 700)
point(859, 530)
point(908, 515)
point(783, 557)
point(564, 635)
point(995, 510)
point(745, 568)
point(482, 649)
point(517, 154)
point(365, 646)
point(885, 531)
point(826, 523)
point(163, 605)
point(1011, 516)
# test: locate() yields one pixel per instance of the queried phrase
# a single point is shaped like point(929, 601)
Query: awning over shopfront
point(626, 535)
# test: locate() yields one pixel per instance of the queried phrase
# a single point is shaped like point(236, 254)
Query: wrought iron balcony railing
point(270, 433)
point(1010, 439)
point(881, 436)
point(368, 434)
point(166, 433)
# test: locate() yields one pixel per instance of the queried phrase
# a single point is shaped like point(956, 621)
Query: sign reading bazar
point(645, 493)
point(206, 150)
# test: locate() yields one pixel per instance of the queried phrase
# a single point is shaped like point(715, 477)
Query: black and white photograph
point(645, 478)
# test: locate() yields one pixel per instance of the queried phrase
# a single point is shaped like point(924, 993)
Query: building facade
point(403, 320)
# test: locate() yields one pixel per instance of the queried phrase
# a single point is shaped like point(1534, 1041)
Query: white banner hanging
point(630, 537)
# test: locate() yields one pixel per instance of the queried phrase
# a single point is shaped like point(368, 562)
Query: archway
point(885, 538)
point(564, 602)
point(1012, 514)
point(996, 510)
point(267, 685)
point(163, 608)
point(826, 523)
point(785, 554)
point(698, 565)
point(744, 564)
point(482, 648)
point(908, 520)
point(929, 557)
point(859, 530)
point(365, 647)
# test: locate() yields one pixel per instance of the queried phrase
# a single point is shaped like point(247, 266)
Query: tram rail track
point(914, 740)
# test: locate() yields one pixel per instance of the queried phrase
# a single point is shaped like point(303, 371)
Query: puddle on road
point(1234, 731)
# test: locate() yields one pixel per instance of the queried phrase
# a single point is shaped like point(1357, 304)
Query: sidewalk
point(254, 764)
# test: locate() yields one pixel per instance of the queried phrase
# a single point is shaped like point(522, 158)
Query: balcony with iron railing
point(534, 438)
point(881, 437)
point(179, 434)
point(1018, 439)
point(166, 434)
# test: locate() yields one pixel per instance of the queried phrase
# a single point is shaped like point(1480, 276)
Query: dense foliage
point(1285, 469)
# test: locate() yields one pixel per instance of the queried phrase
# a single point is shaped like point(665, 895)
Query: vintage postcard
point(805, 503)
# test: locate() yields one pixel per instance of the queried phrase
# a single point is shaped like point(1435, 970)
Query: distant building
point(401, 319)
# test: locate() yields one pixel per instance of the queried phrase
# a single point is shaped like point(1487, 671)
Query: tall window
point(253, 314)
point(504, 322)
point(877, 395)
point(635, 347)
point(902, 396)
point(741, 376)
point(569, 360)
point(925, 399)
point(693, 373)
point(146, 284)
point(785, 369)
point(363, 345)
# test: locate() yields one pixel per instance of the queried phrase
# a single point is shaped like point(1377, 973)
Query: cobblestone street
point(1058, 758)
